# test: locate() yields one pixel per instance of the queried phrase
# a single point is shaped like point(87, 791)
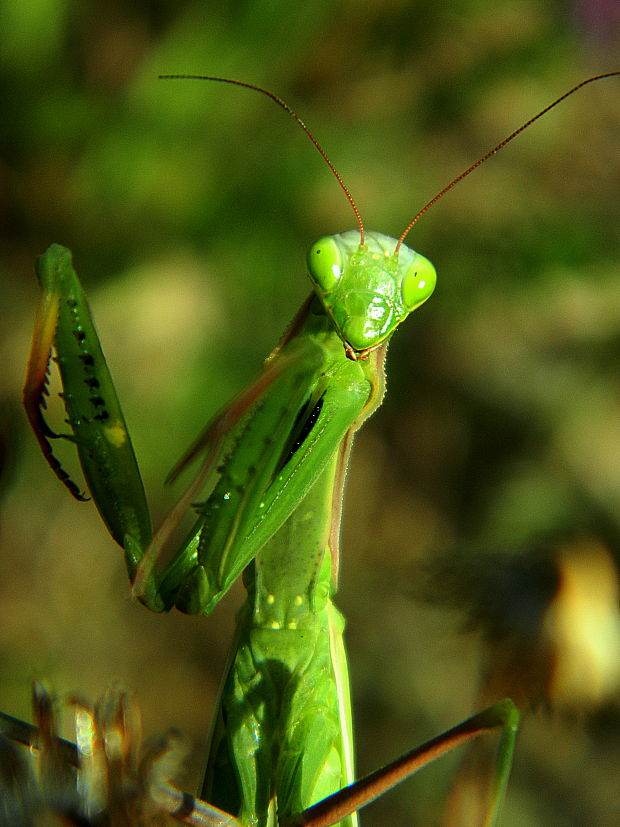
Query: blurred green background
point(189, 208)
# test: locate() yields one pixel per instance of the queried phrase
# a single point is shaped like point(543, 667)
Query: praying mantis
point(268, 497)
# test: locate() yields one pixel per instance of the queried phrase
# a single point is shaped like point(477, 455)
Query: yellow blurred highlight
point(581, 627)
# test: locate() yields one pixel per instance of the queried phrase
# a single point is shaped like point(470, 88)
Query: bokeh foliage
point(189, 208)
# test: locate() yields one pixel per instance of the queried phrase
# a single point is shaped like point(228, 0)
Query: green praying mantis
point(268, 500)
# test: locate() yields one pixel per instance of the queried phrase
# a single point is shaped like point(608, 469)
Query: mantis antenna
point(493, 151)
point(283, 105)
point(337, 175)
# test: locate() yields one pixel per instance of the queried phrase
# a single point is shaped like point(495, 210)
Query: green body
point(272, 485)
point(273, 481)
point(282, 736)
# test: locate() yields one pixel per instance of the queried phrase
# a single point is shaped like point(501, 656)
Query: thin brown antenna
point(296, 118)
point(495, 149)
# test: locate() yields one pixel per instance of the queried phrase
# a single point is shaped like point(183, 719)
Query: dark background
point(189, 208)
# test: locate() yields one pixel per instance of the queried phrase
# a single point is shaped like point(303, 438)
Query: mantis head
point(368, 289)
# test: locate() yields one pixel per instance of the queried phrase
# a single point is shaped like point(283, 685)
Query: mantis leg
point(502, 716)
point(99, 432)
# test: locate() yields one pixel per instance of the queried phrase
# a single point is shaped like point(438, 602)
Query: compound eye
point(418, 282)
point(325, 263)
